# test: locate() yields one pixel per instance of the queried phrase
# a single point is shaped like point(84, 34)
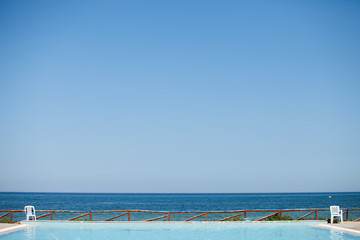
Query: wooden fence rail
point(167, 214)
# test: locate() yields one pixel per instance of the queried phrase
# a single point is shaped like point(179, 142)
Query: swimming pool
point(177, 231)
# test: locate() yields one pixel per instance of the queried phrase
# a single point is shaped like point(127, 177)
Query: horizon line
point(178, 192)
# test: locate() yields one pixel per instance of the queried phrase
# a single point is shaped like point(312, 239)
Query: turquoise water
point(177, 231)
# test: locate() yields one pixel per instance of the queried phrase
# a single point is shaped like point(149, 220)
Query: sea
point(177, 201)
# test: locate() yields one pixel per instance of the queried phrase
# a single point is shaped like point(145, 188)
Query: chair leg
point(332, 219)
point(341, 217)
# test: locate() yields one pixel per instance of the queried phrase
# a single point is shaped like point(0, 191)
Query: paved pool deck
point(348, 225)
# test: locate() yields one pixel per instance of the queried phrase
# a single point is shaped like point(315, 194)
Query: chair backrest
point(334, 209)
point(29, 210)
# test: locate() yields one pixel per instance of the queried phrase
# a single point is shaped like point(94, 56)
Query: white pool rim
point(13, 229)
point(340, 229)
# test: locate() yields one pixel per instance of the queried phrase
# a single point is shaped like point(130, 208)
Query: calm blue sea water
point(177, 202)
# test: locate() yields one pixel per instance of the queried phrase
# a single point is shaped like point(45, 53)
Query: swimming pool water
point(177, 231)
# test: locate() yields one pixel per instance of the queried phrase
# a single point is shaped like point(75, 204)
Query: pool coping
point(13, 229)
point(340, 229)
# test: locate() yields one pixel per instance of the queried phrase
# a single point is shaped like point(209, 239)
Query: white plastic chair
point(336, 212)
point(30, 212)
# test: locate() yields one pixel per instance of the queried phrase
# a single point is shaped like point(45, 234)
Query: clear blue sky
point(179, 96)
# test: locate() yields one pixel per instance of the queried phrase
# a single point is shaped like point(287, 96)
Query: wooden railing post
point(11, 216)
point(315, 214)
point(347, 215)
point(280, 214)
point(169, 216)
point(90, 216)
point(51, 215)
point(129, 216)
point(205, 216)
point(245, 214)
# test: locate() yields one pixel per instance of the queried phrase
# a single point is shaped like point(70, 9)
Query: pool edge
point(13, 229)
point(340, 229)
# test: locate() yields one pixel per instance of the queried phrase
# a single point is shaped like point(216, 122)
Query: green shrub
point(276, 217)
point(237, 218)
point(287, 217)
point(5, 220)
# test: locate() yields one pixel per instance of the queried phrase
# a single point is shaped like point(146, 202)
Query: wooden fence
point(167, 215)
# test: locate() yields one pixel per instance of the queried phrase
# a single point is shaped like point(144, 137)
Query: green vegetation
point(237, 218)
point(276, 217)
point(5, 220)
